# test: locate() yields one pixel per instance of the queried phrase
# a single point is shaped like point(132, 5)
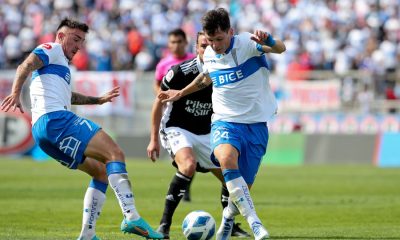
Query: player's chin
point(70, 56)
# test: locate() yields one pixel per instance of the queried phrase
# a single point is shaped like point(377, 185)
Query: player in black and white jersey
point(183, 127)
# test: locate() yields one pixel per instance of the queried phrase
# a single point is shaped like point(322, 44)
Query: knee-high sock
point(177, 189)
point(230, 210)
point(239, 194)
point(119, 182)
point(92, 204)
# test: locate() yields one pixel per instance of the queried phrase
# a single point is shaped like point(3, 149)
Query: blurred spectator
point(336, 34)
point(299, 68)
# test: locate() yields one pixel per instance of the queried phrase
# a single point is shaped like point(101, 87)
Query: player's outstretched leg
point(240, 195)
point(178, 186)
point(92, 204)
point(132, 222)
point(237, 231)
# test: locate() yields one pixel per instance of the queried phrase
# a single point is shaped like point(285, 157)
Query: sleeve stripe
point(42, 55)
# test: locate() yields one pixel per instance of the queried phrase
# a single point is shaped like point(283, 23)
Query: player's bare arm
point(153, 149)
point(265, 39)
point(200, 82)
point(30, 64)
point(80, 99)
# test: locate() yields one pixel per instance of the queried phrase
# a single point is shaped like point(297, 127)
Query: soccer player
point(242, 102)
point(74, 141)
point(177, 43)
point(185, 134)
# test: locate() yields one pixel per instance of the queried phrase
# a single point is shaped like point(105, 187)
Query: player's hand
point(169, 96)
point(12, 101)
point(110, 95)
point(259, 36)
point(153, 150)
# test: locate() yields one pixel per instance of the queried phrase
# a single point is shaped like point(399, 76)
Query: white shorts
point(174, 138)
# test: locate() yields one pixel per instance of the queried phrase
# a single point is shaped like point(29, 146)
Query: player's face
point(72, 42)
point(220, 41)
point(177, 45)
point(201, 46)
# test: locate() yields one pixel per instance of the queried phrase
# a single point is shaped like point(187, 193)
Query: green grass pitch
point(43, 200)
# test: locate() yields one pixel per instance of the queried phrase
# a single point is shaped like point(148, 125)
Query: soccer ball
point(198, 225)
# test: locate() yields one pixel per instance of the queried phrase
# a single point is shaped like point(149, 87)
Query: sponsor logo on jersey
point(198, 108)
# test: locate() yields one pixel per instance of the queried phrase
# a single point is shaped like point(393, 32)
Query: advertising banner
point(98, 83)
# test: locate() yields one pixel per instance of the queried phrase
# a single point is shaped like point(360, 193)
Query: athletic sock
point(230, 210)
point(92, 204)
point(119, 182)
point(240, 195)
point(177, 189)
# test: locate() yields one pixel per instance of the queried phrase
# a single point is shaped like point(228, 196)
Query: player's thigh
point(103, 148)
point(227, 156)
point(202, 151)
point(95, 169)
point(226, 143)
point(185, 159)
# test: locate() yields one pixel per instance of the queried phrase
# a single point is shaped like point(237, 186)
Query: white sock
point(231, 210)
point(239, 194)
point(92, 205)
point(121, 185)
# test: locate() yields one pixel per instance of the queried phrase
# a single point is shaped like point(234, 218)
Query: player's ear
point(231, 32)
point(60, 35)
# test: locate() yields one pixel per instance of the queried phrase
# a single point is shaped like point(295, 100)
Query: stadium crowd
point(340, 35)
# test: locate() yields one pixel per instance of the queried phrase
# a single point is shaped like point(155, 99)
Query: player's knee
point(227, 161)
point(188, 166)
point(117, 154)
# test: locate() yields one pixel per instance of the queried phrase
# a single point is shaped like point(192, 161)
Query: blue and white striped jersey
point(50, 88)
point(241, 90)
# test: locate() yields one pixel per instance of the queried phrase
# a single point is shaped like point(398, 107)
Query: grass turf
point(44, 201)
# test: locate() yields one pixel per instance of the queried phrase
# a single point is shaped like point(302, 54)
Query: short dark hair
point(216, 19)
point(177, 32)
point(73, 24)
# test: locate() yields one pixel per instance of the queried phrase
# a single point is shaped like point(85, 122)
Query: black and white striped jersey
point(192, 112)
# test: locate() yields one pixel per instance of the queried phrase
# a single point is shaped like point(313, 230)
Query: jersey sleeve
point(48, 52)
point(169, 81)
point(253, 47)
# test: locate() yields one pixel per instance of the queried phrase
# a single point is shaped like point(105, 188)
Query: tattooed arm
point(200, 82)
point(30, 64)
point(79, 99)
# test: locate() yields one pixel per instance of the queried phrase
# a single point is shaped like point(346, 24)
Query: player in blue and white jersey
point(242, 102)
point(183, 128)
point(75, 142)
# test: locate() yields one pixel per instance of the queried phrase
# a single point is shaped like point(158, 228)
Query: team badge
point(169, 75)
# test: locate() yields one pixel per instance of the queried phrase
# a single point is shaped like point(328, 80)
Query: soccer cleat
point(93, 238)
point(225, 229)
point(239, 232)
point(140, 227)
point(164, 230)
point(260, 233)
